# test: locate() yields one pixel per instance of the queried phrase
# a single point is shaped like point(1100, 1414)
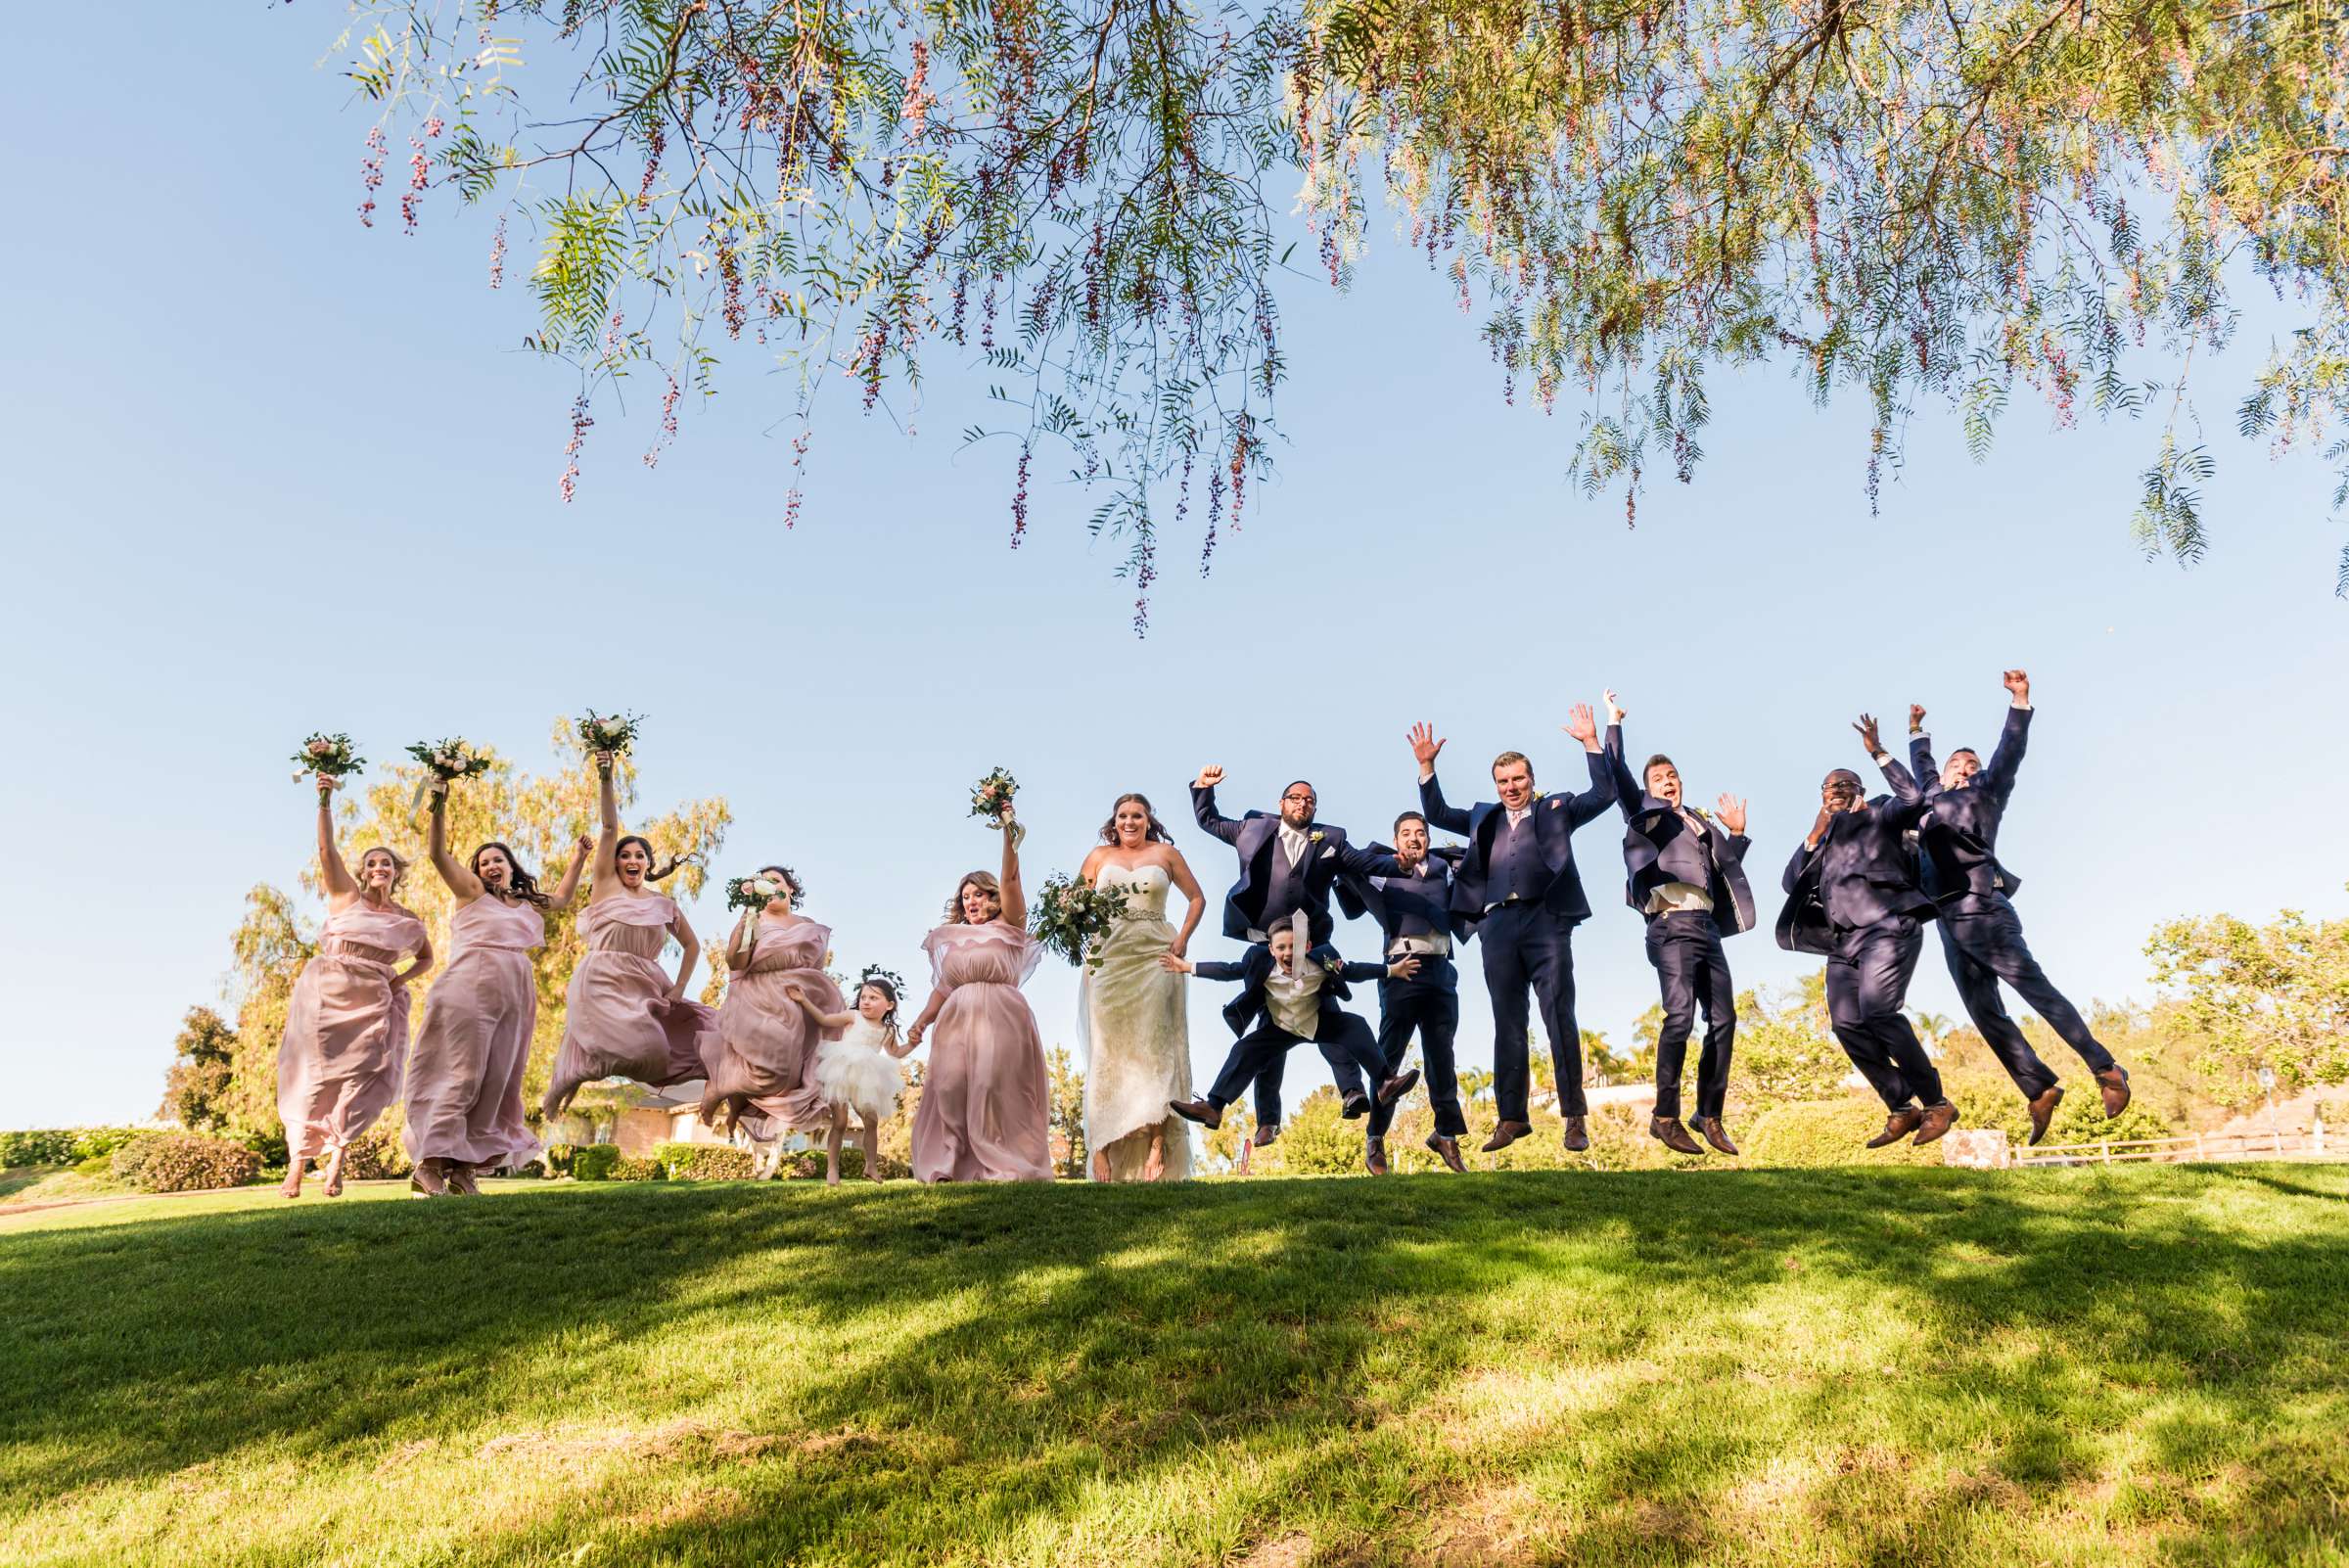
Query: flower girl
point(859, 1072)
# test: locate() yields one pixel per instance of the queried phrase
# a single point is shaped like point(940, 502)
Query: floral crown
point(875, 975)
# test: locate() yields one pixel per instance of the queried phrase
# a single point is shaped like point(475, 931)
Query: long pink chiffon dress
point(465, 1070)
point(762, 1049)
point(618, 1020)
point(986, 1111)
point(346, 1030)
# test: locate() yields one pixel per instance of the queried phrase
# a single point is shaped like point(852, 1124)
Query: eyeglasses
point(1308, 798)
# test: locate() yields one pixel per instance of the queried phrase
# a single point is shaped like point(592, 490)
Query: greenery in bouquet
point(608, 732)
point(991, 797)
point(329, 758)
point(446, 761)
point(1072, 919)
point(751, 892)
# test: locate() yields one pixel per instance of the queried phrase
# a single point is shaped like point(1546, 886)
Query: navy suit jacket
point(1254, 967)
point(1257, 838)
point(1960, 833)
point(1658, 847)
point(1555, 817)
point(1360, 868)
point(1861, 872)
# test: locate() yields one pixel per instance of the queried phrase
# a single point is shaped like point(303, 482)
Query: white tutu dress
point(857, 1071)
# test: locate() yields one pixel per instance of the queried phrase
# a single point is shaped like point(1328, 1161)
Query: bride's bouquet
point(331, 758)
point(608, 732)
point(445, 762)
point(1073, 920)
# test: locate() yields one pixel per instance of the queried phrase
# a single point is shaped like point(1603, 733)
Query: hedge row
point(699, 1162)
point(184, 1162)
point(62, 1145)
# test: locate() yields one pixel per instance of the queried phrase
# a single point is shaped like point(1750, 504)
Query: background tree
point(198, 1086)
point(1067, 1090)
point(2273, 997)
point(268, 947)
point(1787, 1050)
point(1914, 201)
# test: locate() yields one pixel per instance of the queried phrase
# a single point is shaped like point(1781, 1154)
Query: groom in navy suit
point(1981, 936)
point(1684, 872)
point(1287, 862)
point(1518, 890)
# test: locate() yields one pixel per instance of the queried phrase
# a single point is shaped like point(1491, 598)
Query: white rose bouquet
point(445, 762)
point(608, 732)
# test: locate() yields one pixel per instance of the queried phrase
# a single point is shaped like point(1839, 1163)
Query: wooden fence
point(2312, 1142)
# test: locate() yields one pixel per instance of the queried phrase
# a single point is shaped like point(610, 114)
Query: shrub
point(704, 1162)
point(376, 1155)
point(558, 1158)
point(533, 1170)
point(53, 1146)
point(809, 1165)
point(1824, 1133)
point(595, 1162)
point(97, 1164)
point(184, 1162)
point(629, 1168)
point(92, 1142)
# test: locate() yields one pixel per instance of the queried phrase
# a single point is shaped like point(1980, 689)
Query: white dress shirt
point(1677, 895)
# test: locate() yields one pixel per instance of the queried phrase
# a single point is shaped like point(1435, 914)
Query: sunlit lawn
point(1889, 1366)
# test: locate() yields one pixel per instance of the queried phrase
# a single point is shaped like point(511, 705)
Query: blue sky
point(267, 471)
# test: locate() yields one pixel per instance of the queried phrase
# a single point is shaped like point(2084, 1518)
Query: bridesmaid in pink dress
point(465, 1071)
point(623, 1016)
point(985, 1109)
point(762, 1052)
point(346, 1026)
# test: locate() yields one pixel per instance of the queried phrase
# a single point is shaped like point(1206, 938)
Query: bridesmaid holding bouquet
point(346, 1028)
point(986, 1110)
point(623, 1016)
point(464, 1100)
point(760, 1056)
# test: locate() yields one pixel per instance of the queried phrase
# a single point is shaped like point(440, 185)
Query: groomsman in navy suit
point(1981, 936)
point(1407, 891)
point(1291, 1000)
point(1287, 862)
point(1518, 890)
point(1684, 872)
point(1852, 897)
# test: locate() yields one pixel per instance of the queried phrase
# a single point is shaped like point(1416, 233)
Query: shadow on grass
point(1543, 1367)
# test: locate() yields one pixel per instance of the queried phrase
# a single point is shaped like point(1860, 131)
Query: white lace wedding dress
point(1135, 1032)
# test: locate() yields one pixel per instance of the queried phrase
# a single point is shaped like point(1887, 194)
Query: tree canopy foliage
point(1926, 203)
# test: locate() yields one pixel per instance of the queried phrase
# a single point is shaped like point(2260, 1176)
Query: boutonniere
point(1335, 966)
point(1316, 836)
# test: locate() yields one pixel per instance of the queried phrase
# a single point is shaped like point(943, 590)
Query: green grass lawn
point(1890, 1367)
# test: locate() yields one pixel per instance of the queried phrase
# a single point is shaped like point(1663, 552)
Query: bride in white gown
point(1131, 1010)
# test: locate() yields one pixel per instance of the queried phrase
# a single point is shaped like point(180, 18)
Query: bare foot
point(334, 1171)
point(832, 1176)
point(1154, 1167)
point(292, 1187)
point(1101, 1164)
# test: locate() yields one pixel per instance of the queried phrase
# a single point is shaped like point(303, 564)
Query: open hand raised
point(1868, 734)
point(1732, 811)
point(1615, 709)
point(1425, 744)
point(1581, 725)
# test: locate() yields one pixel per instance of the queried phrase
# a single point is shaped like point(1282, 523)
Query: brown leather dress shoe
point(1938, 1119)
point(2043, 1110)
point(1447, 1150)
point(1578, 1136)
point(1897, 1126)
point(1199, 1111)
point(1374, 1155)
point(1265, 1133)
point(2113, 1084)
point(1667, 1131)
point(1354, 1106)
point(1715, 1133)
point(1505, 1134)
point(1396, 1088)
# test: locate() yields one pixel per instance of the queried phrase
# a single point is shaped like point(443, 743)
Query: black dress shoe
point(1265, 1133)
point(1897, 1126)
point(1505, 1134)
point(1667, 1131)
point(1357, 1104)
point(1202, 1112)
point(1448, 1149)
point(1714, 1133)
point(2043, 1110)
point(2113, 1084)
point(1578, 1136)
point(1396, 1088)
point(1938, 1119)
point(1374, 1155)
